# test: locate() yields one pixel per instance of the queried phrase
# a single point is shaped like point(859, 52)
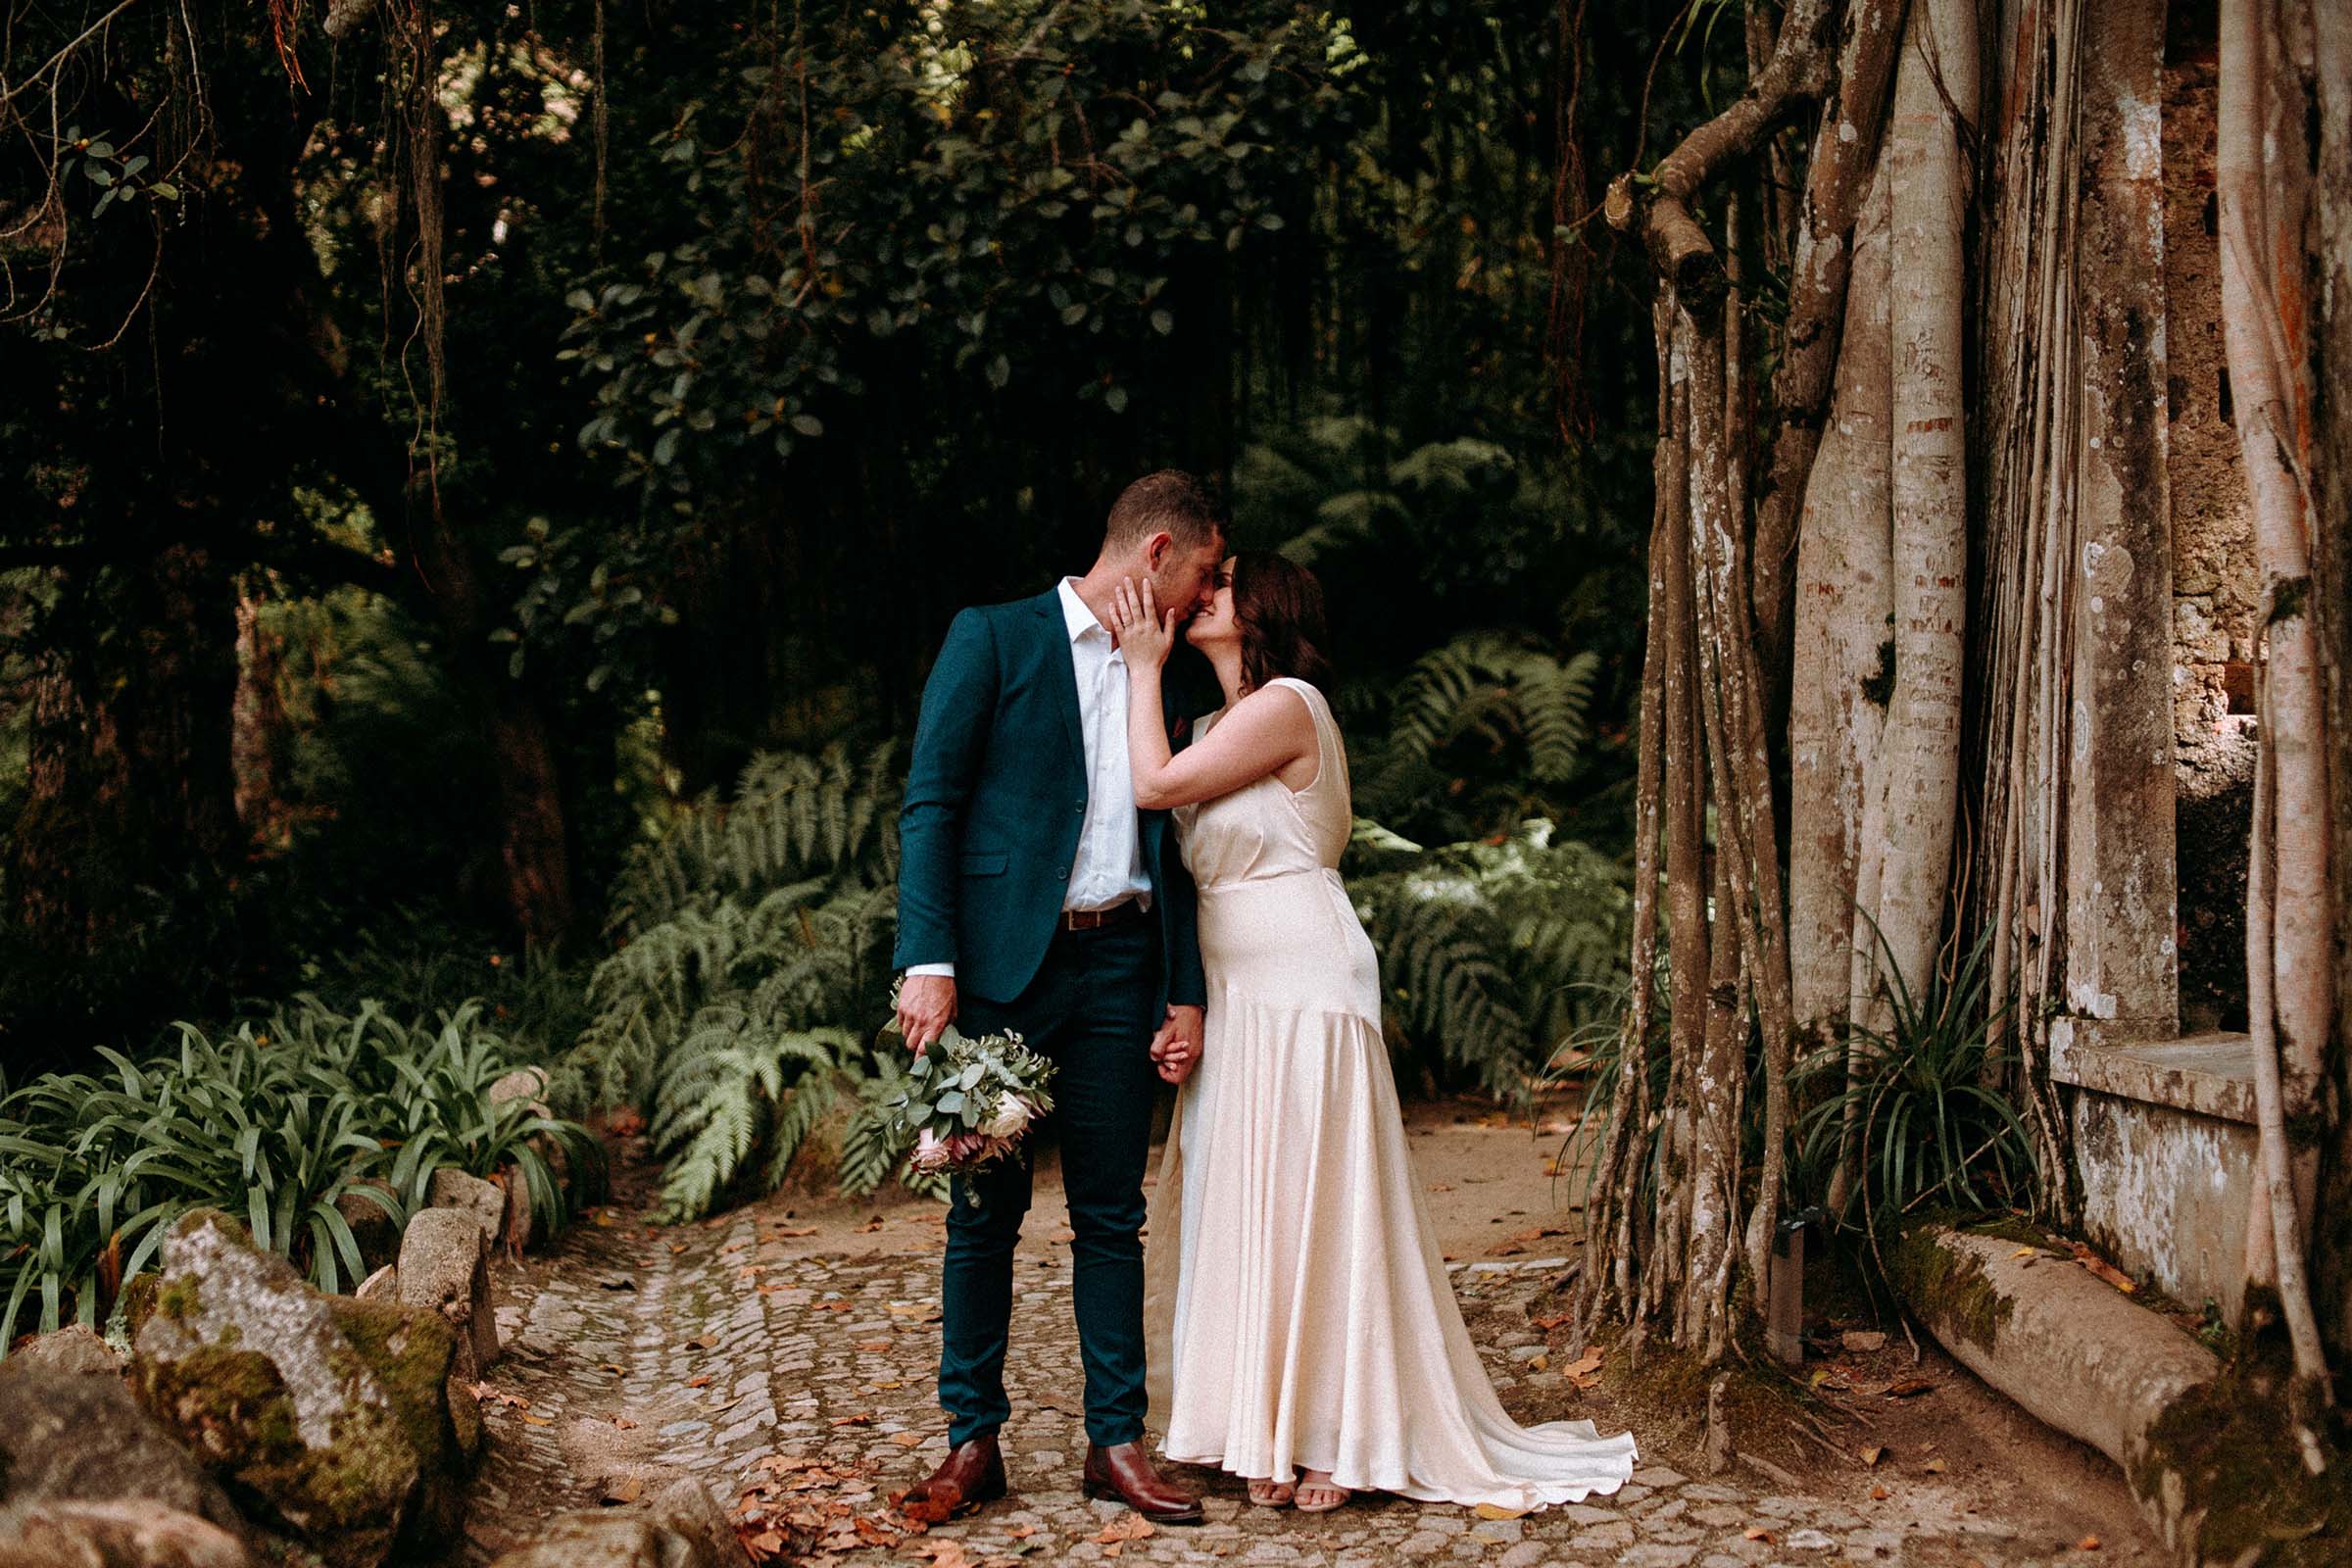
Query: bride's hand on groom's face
point(1145, 632)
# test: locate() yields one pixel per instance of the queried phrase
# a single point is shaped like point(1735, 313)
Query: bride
point(1297, 1312)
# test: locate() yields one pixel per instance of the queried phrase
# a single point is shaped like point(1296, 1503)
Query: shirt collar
point(1075, 615)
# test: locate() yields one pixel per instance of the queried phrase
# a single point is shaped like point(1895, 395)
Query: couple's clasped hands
point(927, 1005)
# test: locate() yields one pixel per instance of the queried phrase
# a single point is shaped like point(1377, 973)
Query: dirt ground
point(1940, 1452)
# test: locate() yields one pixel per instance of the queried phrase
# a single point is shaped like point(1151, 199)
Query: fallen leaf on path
point(538, 1420)
point(702, 1341)
point(1908, 1388)
point(1585, 1370)
point(907, 1440)
point(1550, 1321)
point(675, 1247)
point(627, 1490)
point(1505, 1249)
point(1880, 1494)
point(1862, 1339)
point(795, 1231)
point(2027, 1252)
point(1759, 1533)
point(613, 1367)
point(2088, 1544)
point(1442, 1187)
point(623, 1422)
point(1126, 1528)
point(870, 1226)
point(1937, 1466)
point(864, 1419)
point(1496, 1511)
point(484, 1392)
point(1871, 1457)
point(702, 1382)
point(1021, 1532)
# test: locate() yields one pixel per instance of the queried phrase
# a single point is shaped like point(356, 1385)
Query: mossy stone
point(1952, 1285)
point(329, 1416)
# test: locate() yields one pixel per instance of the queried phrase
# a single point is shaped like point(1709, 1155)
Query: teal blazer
point(996, 794)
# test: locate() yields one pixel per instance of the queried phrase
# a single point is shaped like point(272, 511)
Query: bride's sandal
point(1317, 1494)
point(1272, 1494)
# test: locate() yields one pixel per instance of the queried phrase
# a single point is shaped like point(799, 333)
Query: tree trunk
point(1843, 652)
point(129, 785)
point(1917, 787)
point(2262, 173)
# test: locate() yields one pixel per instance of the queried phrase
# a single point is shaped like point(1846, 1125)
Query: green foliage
point(1496, 692)
point(752, 934)
point(1932, 1133)
point(1494, 955)
point(278, 1123)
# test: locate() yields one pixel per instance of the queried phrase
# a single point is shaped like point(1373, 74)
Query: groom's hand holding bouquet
point(970, 1102)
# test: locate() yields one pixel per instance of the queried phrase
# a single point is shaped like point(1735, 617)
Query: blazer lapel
point(1061, 673)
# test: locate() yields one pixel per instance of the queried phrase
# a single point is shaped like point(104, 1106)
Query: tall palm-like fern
point(1502, 693)
point(1493, 954)
point(753, 944)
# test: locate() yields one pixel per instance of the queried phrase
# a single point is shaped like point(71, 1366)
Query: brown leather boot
point(973, 1473)
point(1126, 1472)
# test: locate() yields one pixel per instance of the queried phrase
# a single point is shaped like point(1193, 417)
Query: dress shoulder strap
point(1327, 729)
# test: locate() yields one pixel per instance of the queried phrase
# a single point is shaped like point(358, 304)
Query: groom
point(1034, 895)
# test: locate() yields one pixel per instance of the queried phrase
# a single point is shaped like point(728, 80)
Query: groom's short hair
point(1170, 501)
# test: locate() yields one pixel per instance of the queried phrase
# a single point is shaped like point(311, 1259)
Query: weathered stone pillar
point(2120, 868)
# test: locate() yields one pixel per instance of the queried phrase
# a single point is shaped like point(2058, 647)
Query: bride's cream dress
point(1297, 1309)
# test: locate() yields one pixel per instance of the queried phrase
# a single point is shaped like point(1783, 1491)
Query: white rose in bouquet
point(1013, 1118)
point(930, 1152)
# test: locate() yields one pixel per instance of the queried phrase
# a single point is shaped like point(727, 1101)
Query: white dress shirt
point(1109, 865)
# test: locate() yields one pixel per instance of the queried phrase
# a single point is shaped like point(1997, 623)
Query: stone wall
point(2216, 588)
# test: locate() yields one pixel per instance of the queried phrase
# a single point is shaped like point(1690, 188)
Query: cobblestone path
point(712, 1349)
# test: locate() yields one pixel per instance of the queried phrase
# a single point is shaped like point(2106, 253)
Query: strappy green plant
point(1930, 1133)
point(283, 1122)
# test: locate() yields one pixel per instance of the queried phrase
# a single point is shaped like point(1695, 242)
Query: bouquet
point(969, 1102)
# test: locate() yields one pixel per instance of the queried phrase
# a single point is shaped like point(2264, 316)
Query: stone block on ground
point(611, 1540)
point(686, 1506)
point(527, 1084)
point(371, 1224)
point(608, 1458)
point(114, 1535)
point(74, 1349)
point(453, 1189)
point(381, 1285)
point(66, 1437)
point(444, 1268)
point(518, 1226)
point(332, 1417)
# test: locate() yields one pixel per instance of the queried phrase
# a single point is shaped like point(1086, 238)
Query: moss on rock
point(1935, 1279)
point(329, 1417)
point(2225, 1458)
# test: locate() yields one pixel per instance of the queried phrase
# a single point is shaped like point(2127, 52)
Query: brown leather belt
point(1122, 914)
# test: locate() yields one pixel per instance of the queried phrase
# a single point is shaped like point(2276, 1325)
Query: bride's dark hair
point(1278, 609)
